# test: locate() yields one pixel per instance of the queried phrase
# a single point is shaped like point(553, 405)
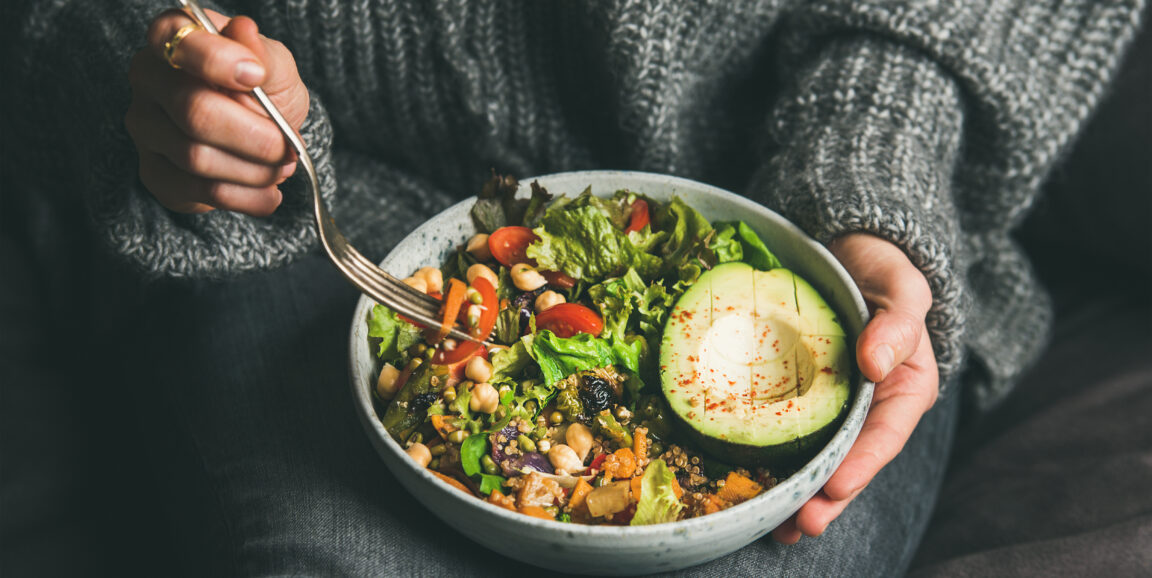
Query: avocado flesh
point(756, 365)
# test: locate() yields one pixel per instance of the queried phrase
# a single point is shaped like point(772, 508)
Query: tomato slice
point(568, 319)
point(639, 217)
point(489, 304)
point(509, 245)
point(489, 309)
point(456, 368)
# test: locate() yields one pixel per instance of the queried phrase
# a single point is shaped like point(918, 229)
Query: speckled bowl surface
point(612, 549)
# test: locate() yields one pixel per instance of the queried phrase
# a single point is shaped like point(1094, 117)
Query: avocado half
point(755, 366)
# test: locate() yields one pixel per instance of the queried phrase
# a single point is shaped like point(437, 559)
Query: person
point(911, 138)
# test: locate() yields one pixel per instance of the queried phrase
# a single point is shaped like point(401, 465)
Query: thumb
point(898, 296)
point(282, 83)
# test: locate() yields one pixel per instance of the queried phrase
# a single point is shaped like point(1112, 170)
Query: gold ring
point(170, 46)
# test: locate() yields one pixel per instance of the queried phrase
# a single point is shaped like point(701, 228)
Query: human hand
point(893, 351)
point(204, 142)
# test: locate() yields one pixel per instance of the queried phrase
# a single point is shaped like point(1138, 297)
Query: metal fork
point(364, 274)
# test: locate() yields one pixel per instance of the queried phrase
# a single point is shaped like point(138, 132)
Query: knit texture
point(931, 124)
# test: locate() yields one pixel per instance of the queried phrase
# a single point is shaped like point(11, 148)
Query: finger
point(815, 516)
point(216, 59)
point(786, 533)
point(152, 130)
point(182, 192)
point(897, 294)
point(891, 337)
point(212, 117)
point(899, 402)
point(282, 83)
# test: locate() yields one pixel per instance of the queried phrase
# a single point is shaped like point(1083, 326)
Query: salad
point(570, 412)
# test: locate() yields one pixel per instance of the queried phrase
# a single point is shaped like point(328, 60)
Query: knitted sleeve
point(931, 124)
point(71, 66)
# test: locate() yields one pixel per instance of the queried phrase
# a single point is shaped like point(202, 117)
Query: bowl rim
point(860, 399)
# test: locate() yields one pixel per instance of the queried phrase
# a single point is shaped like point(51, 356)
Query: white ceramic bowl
point(613, 549)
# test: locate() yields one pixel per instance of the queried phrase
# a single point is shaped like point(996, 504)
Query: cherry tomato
point(568, 319)
point(509, 245)
point(639, 216)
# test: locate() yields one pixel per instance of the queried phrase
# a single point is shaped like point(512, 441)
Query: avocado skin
point(791, 454)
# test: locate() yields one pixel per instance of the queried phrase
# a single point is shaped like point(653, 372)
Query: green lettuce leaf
point(473, 448)
point(507, 326)
point(658, 503)
point(395, 334)
point(510, 363)
point(560, 357)
point(628, 303)
point(755, 252)
point(580, 240)
point(688, 235)
point(725, 245)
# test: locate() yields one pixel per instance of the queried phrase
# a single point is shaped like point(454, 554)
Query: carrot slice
point(507, 502)
point(579, 494)
point(452, 482)
point(443, 425)
point(536, 512)
point(738, 488)
point(640, 444)
point(457, 293)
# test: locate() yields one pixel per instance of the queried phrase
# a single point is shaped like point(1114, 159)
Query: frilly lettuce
point(580, 240)
point(395, 334)
point(658, 502)
point(618, 298)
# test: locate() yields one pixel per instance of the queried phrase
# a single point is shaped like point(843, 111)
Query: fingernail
point(288, 169)
point(249, 73)
point(884, 356)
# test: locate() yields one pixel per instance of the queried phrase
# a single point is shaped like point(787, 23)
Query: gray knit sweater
point(929, 123)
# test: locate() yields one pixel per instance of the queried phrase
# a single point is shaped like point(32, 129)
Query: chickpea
point(388, 382)
point(548, 300)
point(484, 398)
point(579, 438)
point(420, 453)
point(473, 314)
point(478, 247)
point(433, 279)
point(417, 283)
point(484, 271)
point(565, 458)
point(526, 278)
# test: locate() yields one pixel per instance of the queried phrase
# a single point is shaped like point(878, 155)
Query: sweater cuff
point(866, 141)
point(217, 243)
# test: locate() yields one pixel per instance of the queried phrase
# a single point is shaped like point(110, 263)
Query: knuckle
point(266, 146)
point(197, 158)
point(199, 114)
point(157, 31)
point(907, 329)
point(217, 193)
